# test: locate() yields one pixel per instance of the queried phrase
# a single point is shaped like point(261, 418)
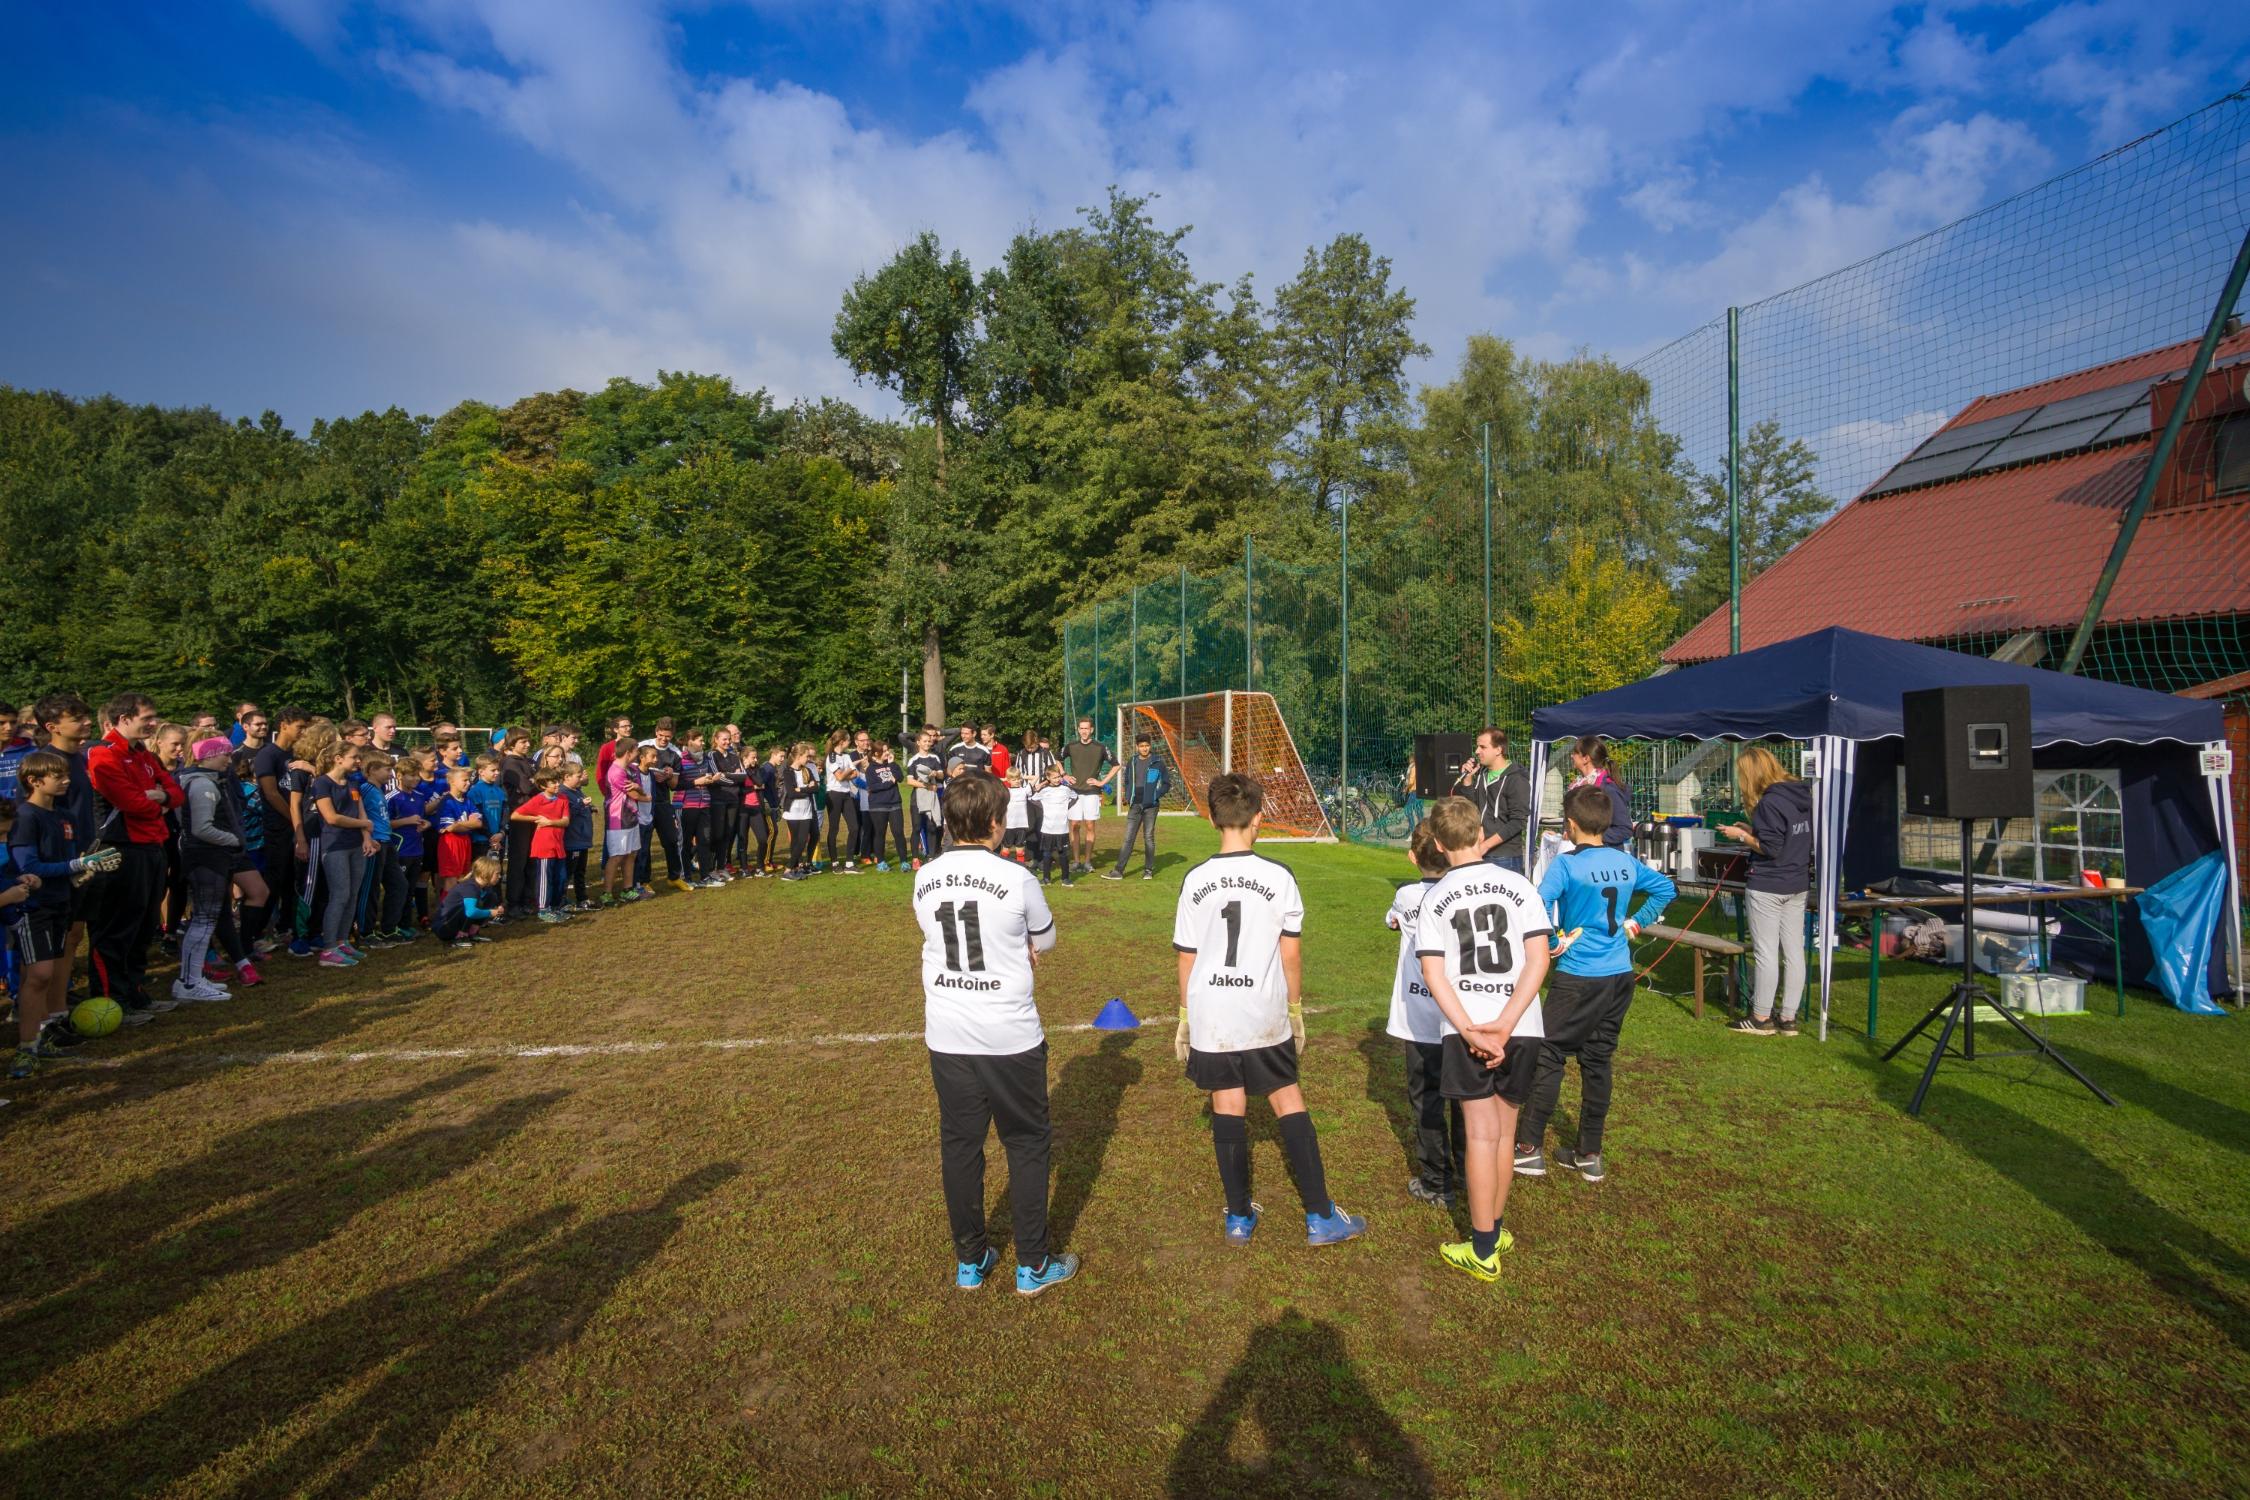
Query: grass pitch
point(649, 1206)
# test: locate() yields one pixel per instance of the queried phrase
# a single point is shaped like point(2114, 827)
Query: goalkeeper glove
point(1180, 1037)
point(1297, 1027)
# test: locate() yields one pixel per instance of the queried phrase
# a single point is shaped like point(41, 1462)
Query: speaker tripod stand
point(1960, 1004)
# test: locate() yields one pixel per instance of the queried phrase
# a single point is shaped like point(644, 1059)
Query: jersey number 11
point(958, 927)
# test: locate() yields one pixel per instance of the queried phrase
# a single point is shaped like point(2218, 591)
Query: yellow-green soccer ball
point(96, 1017)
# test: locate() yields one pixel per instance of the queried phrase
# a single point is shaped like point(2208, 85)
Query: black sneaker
point(1529, 1162)
point(1588, 1167)
point(1752, 1026)
point(1785, 1028)
point(1113, 874)
point(1422, 1192)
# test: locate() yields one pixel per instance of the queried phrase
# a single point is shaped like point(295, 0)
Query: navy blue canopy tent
point(1838, 690)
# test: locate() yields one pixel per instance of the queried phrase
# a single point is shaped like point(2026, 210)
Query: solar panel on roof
point(1952, 439)
point(1928, 470)
point(2131, 422)
point(2044, 443)
point(2106, 402)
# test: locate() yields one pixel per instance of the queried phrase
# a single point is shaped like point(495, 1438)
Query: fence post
point(1136, 642)
point(2212, 333)
point(1249, 622)
point(1734, 480)
point(1344, 659)
point(1183, 631)
point(1487, 572)
point(1095, 707)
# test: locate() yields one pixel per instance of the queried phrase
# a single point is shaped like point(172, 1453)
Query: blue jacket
point(1146, 782)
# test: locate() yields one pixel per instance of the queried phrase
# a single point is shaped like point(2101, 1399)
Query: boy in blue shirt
point(1590, 889)
point(578, 836)
point(490, 799)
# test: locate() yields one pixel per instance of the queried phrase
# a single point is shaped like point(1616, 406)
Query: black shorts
point(1577, 1007)
point(1463, 1075)
point(207, 885)
point(1260, 1070)
point(41, 934)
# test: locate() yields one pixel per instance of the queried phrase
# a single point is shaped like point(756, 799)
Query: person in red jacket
point(134, 792)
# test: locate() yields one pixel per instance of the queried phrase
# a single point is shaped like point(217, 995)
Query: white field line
point(540, 1052)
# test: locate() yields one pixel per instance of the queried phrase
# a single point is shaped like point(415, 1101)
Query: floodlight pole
point(1734, 481)
point(1488, 572)
point(2212, 332)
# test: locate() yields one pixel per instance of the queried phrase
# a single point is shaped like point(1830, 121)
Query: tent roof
point(1843, 682)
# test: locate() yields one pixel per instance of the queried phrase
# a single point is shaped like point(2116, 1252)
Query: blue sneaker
point(1334, 1227)
point(1241, 1226)
point(299, 948)
point(1060, 1268)
point(882, 866)
point(968, 1275)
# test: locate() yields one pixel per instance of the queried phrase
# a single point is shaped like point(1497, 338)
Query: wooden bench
point(1699, 944)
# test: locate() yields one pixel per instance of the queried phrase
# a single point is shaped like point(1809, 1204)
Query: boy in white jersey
point(1015, 843)
point(1482, 937)
point(1441, 1139)
point(1242, 1020)
point(1055, 801)
point(984, 923)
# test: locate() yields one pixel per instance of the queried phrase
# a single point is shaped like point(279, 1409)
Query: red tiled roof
point(2009, 550)
point(2005, 550)
point(2169, 360)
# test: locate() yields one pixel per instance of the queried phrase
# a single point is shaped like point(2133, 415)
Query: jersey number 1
point(1231, 914)
point(1484, 940)
point(957, 928)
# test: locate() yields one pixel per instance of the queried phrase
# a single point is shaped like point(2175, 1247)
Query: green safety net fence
point(1605, 483)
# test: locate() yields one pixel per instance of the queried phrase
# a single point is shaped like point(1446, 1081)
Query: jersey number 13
point(1483, 935)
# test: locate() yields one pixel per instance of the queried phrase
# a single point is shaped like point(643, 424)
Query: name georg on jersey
point(1249, 883)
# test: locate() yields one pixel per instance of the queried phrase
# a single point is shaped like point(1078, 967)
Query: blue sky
point(319, 206)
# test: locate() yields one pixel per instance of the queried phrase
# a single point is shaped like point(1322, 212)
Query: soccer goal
point(1200, 736)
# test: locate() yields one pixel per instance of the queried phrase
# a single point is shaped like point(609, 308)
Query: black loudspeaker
point(1968, 752)
point(1437, 761)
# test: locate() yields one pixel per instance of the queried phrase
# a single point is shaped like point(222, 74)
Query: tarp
point(1848, 684)
point(2182, 912)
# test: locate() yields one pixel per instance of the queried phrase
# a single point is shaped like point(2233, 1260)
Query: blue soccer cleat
point(969, 1275)
point(1059, 1269)
point(1333, 1227)
point(1241, 1226)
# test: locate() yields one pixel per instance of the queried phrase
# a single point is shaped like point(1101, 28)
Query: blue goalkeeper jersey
point(1591, 888)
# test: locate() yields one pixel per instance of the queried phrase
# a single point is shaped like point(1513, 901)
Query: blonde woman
point(1779, 838)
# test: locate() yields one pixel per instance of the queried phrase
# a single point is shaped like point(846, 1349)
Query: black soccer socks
point(1230, 1140)
point(1301, 1145)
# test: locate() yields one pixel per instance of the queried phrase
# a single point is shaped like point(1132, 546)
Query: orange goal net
point(1202, 735)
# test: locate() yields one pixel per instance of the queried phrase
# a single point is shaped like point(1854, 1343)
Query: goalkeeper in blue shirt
point(1590, 889)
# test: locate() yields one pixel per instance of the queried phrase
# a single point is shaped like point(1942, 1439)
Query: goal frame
point(1228, 698)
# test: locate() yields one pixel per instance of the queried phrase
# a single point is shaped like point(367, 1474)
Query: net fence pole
point(2221, 311)
point(1183, 630)
point(1344, 655)
point(1734, 480)
point(1488, 572)
point(1249, 620)
point(1136, 643)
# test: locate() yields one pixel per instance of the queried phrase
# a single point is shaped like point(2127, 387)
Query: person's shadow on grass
point(1086, 1100)
point(321, 1180)
point(1386, 1085)
point(1325, 1432)
point(434, 1347)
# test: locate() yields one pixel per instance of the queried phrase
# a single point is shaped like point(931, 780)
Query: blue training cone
point(1117, 1016)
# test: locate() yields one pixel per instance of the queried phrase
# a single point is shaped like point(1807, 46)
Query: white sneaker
point(199, 991)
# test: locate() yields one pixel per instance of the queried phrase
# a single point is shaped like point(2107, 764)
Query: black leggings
point(800, 841)
point(882, 820)
point(755, 838)
point(667, 827)
point(695, 847)
point(575, 863)
point(719, 835)
point(843, 819)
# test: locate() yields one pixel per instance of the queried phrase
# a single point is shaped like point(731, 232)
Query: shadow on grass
point(67, 1093)
point(1325, 1432)
point(1086, 1101)
point(424, 1351)
point(325, 1180)
point(2179, 1258)
point(2184, 1109)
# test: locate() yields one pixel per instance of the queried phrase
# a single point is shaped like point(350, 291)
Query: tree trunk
point(933, 678)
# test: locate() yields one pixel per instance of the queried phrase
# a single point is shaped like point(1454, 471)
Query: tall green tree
point(1343, 335)
point(912, 328)
point(1781, 503)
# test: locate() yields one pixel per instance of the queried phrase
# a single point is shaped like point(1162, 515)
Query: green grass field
point(649, 1206)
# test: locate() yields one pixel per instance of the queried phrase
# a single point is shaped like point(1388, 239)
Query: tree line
point(1085, 415)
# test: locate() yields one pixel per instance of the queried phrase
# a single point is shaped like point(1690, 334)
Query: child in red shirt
point(547, 812)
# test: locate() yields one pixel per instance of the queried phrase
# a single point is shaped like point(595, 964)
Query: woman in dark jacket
point(1590, 759)
point(1779, 838)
